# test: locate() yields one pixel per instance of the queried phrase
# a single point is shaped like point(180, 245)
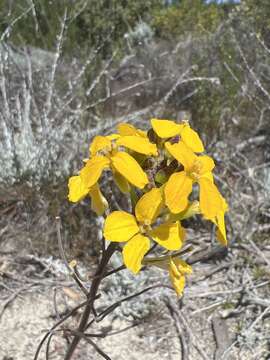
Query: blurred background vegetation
point(92, 21)
point(120, 28)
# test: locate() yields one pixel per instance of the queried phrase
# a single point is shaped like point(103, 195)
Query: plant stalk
point(91, 298)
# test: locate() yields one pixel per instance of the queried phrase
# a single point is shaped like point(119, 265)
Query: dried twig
point(184, 339)
point(12, 297)
point(72, 272)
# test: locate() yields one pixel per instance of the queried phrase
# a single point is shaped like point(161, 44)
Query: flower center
point(109, 150)
point(145, 226)
point(195, 170)
point(104, 152)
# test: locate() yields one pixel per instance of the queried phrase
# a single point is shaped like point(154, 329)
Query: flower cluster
point(158, 169)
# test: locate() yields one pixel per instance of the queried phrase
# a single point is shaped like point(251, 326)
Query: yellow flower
point(105, 153)
point(167, 129)
point(125, 129)
point(196, 169)
point(77, 192)
point(177, 270)
point(121, 226)
point(135, 139)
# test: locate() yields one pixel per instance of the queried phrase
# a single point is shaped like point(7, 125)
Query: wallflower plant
point(166, 178)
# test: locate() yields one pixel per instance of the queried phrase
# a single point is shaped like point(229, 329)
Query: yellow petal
point(208, 175)
point(207, 164)
point(221, 230)
point(99, 143)
point(125, 129)
point(141, 133)
point(139, 144)
point(120, 226)
point(177, 269)
point(134, 251)
point(173, 268)
point(177, 190)
point(169, 235)
point(77, 191)
point(182, 153)
point(148, 207)
point(121, 182)
point(179, 266)
point(220, 223)
point(177, 282)
point(211, 201)
point(166, 128)
point(191, 139)
point(130, 169)
point(93, 169)
point(98, 202)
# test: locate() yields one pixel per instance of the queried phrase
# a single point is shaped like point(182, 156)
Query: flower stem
point(91, 298)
